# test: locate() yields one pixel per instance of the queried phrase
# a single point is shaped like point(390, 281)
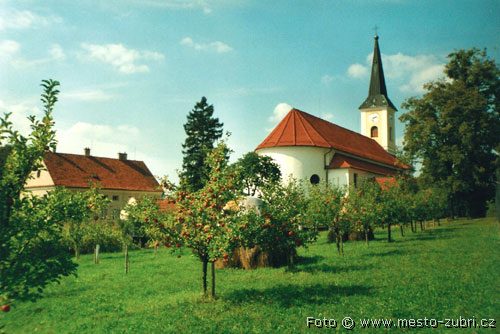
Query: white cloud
point(217, 46)
point(104, 140)
point(91, 95)
point(202, 5)
point(8, 48)
point(357, 71)
point(121, 58)
point(414, 70)
point(24, 19)
point(56, 52)
point(327, 116)
point(19, 115)
point(410, 71)
point(279, 112)
point(326, 79)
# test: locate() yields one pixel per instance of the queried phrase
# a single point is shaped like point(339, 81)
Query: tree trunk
point(413, 226)
point(337, 239)
point(366, 237)
point(213, 279)
point(96, 253)
point(77, 252)
point(291, 260)
point(341, 246)
point(421, 226)
point(389, 239)
point(204, 277)
point(401, 229)
point(127, 261)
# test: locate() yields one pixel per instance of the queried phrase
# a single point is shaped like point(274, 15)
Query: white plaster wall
point(44, 180)
point(338, 177)
point(383, 125)
point(299, 161)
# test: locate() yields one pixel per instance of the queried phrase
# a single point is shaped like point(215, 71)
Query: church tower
point(377, 111)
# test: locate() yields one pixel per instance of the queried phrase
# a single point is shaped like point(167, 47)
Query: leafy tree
point(393, 207)
point(77, 210)
point(206, 224)
point(324, 204)
point(454, 131)
point(32, 254)
point(255, 171)
point(281, 225)
point(362, 208)
point(146, 215)
point(202, 131)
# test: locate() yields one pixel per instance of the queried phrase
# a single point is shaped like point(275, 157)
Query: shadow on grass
point(296, 295)
point(328, 268)
point(307, 260)
point(388, 253)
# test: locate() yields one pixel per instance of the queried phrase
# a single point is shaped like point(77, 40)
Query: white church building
point(309, 148)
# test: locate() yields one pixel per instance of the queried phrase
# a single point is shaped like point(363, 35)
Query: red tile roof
point(386, 182)
point(166, 205)
point(74, 170)
point(299, 128)
point(343, 161)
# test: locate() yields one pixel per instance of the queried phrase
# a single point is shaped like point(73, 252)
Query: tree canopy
point(453, 130)
point(31, 252)
point(255, 171)
point(202, 130)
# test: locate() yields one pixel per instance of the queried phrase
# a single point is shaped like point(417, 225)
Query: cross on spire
point(375, 28)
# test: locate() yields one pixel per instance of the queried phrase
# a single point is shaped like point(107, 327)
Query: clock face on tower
point(374, 118)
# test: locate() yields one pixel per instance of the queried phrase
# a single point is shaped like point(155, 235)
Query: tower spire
point(377, 94)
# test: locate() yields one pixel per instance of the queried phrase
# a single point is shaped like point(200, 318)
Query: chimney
point(87, 151)
point(122, 156)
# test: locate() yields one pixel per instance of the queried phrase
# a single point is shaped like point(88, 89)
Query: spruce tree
point(202, 130)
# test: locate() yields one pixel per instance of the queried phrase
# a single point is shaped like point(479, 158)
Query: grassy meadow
point(446, 271)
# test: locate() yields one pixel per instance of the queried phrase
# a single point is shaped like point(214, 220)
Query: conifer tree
point(202, 130)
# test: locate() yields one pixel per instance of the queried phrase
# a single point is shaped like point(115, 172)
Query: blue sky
point(131, 70)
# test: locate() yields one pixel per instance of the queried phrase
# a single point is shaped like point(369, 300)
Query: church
point(309, 148)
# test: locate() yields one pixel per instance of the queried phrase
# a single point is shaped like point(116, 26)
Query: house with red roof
point(311, 148)
point(120, 179)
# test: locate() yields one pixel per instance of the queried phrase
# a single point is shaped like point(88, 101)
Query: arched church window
point(314, 179)
point(374, 132)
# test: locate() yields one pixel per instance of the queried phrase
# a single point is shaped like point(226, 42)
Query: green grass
point(444, 272)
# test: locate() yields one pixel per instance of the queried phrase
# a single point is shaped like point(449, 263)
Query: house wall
point(300, 162)
point(118, 198)
point(41, 178)
point(338, 177)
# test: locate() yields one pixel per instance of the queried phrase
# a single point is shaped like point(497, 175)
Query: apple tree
point(281, 225)
point(32, 253)
point(203, 219)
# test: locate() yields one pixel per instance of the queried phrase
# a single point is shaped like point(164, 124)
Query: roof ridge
point(339, 126)
point(91, 156)
point(312, 127)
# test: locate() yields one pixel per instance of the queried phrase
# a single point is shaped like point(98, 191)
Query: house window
point(374, 132)
point(314, 179)
point(355, 176)
point(115, 197)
